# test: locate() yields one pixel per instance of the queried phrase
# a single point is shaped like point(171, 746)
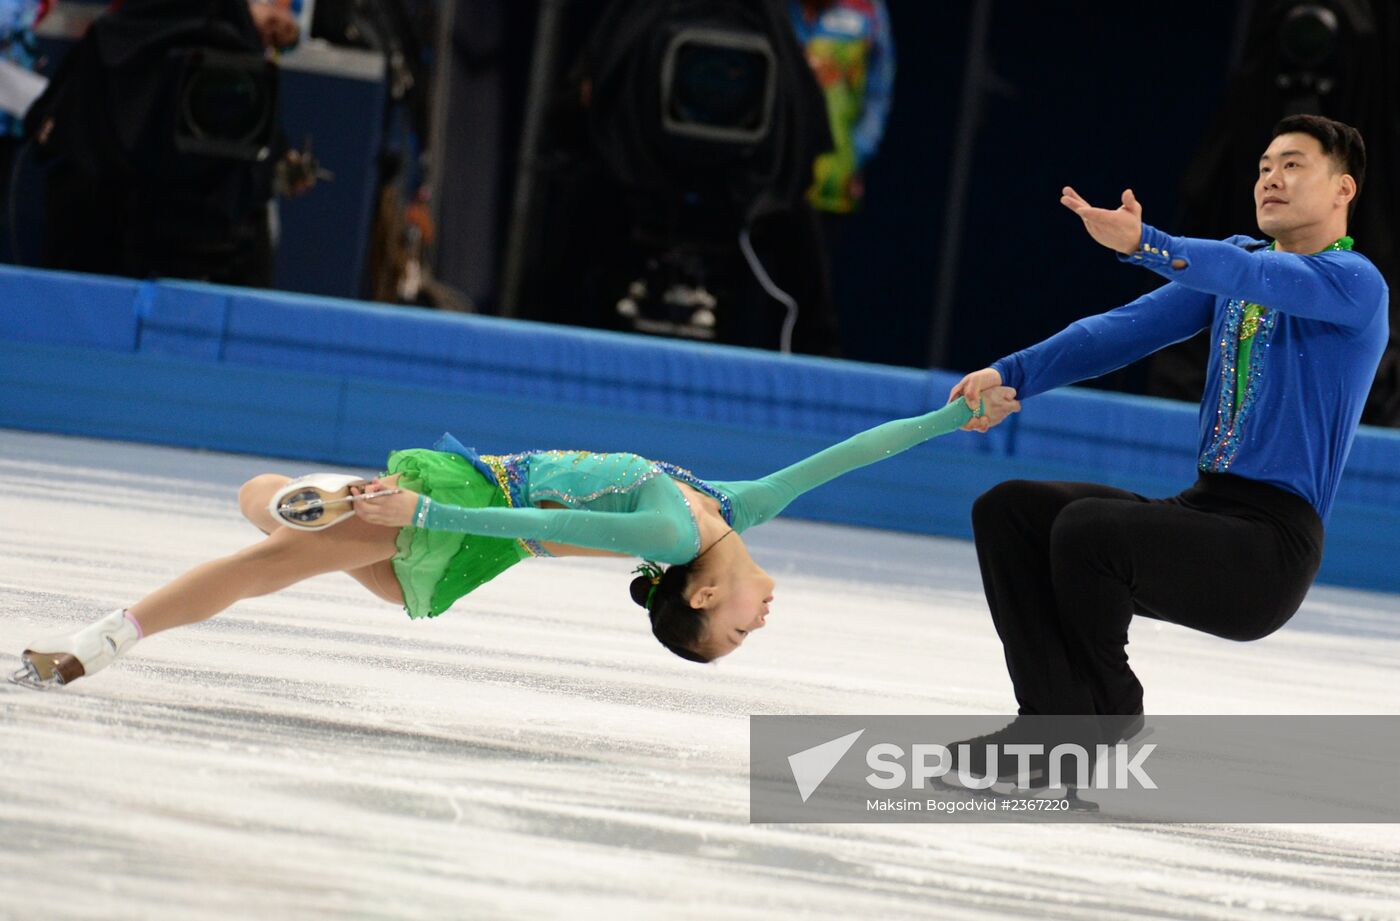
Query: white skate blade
point(309, 504)
point(29, 677)
point(314, 502)
point(296, 514)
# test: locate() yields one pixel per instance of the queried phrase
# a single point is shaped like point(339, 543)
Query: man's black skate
point(971, 768)
point(1027, 773)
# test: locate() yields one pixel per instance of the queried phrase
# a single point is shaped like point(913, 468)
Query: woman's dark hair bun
point(641, 587)
point(673, 621)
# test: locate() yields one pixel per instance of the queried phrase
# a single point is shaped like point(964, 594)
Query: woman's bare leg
point(286, 556)
point(254, 496)
point(253, 499)
point(283, 558)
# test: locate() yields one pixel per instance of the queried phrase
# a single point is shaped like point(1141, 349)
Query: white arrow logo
point(811, 766)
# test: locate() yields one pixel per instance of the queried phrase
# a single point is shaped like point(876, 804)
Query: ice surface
point(535, 753)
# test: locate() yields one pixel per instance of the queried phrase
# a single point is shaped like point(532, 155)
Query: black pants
point(1066, 566)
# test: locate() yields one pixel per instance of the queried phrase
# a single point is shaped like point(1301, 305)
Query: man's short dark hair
point(1339, 141)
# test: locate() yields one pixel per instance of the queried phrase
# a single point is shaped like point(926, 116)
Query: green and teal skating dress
point(479, 515)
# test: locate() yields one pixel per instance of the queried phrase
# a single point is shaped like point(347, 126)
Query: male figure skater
point(1298, 327)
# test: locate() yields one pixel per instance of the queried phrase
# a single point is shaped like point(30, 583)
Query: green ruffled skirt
point(435, 568)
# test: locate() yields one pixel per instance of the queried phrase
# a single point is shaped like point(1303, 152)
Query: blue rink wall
point(342, 382)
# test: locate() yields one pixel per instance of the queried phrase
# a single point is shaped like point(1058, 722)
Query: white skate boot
point(314, 502)
point(64, 659)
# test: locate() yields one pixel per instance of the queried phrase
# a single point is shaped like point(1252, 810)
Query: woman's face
point(735, 605)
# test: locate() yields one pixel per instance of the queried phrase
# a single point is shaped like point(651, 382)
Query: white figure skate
point(59, 660)
point(317, 501)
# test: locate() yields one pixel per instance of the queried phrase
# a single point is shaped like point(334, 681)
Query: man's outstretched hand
point(1120, 229)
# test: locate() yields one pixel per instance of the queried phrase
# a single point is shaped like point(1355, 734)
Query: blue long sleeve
point(1096, 345)
point(1337, 287)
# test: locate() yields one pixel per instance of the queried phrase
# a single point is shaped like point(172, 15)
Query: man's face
point(1298, 185)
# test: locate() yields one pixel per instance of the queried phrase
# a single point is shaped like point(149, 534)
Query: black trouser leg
point(1216, 570)
point(1066, 565)
point(1011, 525)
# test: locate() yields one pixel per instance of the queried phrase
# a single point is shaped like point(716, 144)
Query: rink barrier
point(322, 380)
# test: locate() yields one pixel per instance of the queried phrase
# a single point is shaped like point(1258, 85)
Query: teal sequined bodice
point(614, 483)
point(582, 479)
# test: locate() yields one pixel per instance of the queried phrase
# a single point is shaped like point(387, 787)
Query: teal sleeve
point(649, 533)
point(757, 501)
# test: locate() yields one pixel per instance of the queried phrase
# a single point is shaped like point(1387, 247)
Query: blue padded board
point(188, 364)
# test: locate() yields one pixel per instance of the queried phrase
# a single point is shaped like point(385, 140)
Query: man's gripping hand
point(1120, 229)
point(984, 387)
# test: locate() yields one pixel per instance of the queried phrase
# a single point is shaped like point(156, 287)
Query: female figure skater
point(442, 522)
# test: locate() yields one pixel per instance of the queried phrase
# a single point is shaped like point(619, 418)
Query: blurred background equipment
point(19, 87)
point(366, 58)
point(225, 104)
point(718, 85)
point(159, 137)
point(1308, 44)
point(850, 48)
point(388, 153)
point(664, 176)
